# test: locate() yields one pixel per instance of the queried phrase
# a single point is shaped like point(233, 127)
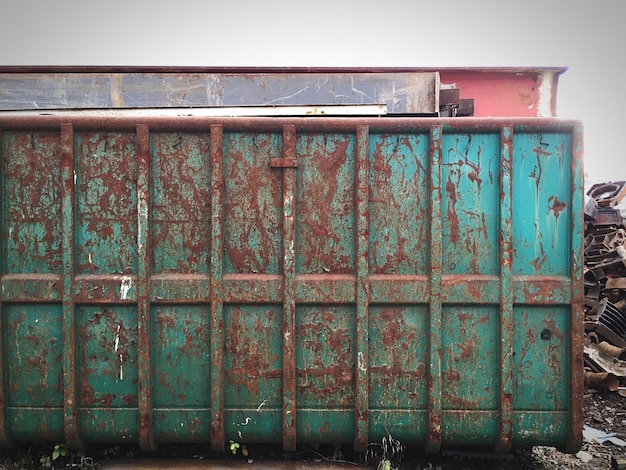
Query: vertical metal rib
point(289, 305)
point(70, 395)
point(146, 434)
point(506, 292)
point(4, 439)
point(362, 290)
point(216, 294)
point(434, 374)
point(577, 291)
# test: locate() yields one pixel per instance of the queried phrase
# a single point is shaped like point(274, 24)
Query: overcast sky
point(585, 36)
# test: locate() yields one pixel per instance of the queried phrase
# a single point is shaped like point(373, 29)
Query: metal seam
point(70, 397)
point(506, 292)
point(574, 439)
point(216, 289)
point(4, 438)
point(362, 291)
point(146, 433)
point(289, 307)
point(434, 375)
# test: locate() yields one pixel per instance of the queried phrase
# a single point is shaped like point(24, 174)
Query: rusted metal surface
point(292, 281)
point(479, 91)
point(530, 91)
point(401, 92)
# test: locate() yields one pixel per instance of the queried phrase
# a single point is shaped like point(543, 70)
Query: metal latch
point(284, 162)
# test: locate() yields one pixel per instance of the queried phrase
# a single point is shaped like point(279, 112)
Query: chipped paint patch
point(544, 104)
point(125, 286)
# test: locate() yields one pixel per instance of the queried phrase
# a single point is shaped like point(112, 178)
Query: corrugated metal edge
point(221, 111)
point(308, 124)
point(269, 70)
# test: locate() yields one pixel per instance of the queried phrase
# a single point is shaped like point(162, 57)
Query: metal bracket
point(284, 162)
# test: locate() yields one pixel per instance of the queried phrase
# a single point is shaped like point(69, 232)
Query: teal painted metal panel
point(541, 196)
point(181, 236)
point(30, 228)
point(470, 200)
point(291, 281)
point(398, 203)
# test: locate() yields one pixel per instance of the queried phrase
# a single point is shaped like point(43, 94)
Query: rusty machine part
point(608, 194)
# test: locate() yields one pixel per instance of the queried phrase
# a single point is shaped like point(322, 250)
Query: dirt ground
point(603, 410)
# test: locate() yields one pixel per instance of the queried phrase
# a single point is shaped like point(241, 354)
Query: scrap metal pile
point(605, 288)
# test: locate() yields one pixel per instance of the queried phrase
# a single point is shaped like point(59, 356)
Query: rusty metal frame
point(435, 408)
point(362, 290)
point(275, 124)
point(5, 441)
point(506, 291)
point(577, 288)
point(289, 293)
point(70, 402)
point(289, 127)
point(146, 433)
point(216, 294)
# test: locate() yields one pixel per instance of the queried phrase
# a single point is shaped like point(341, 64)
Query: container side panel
point(541, 342)
point(253, 360)
point(106, 425)
point(35, 424)
point(183, 426)
point(470, 203)
point(398, 363)
point(106, 193)
point(31, 168)
point(107, 357)
point(252, 204)
point(408, 425)
point(180, 356)
point(540, 428)
point(325, 358)
point(541, 211)
point(262, 426)
point(336, 427)
point(469, 428)
point(470, 358)
point(181, 373)
point(398, 353)
point(32, 349)
point(180, 203)
point(398, 204)
point(325, 204)
point(253, 357)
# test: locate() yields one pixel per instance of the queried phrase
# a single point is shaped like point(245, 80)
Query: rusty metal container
point(291, 280)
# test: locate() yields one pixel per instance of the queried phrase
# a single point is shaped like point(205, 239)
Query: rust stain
point(467, 349)
point(452, 215)
point(556, 206)
point(540, 151)
point(107, 399)
point(129, 400)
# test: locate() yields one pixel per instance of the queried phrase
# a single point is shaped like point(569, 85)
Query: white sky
point(587, 36)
